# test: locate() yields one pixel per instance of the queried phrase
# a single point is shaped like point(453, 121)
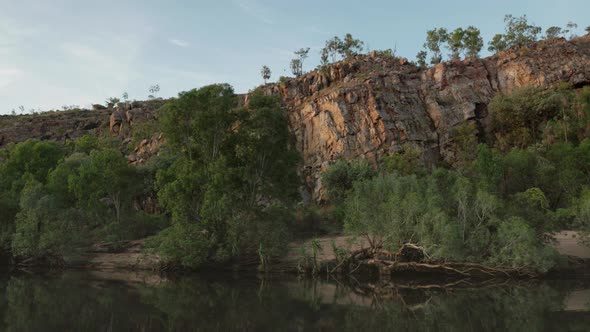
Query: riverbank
point(130, 256)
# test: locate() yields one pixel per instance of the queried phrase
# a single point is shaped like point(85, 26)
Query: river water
point(83, 301)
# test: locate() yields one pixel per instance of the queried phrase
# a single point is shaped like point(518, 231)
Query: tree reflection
point(78, 302)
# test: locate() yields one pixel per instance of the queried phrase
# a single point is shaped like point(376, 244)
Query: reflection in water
point(82, 302)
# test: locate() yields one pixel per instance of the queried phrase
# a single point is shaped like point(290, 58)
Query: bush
point(339, 178)
point(450, 218)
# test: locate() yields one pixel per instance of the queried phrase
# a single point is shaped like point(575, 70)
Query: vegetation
point(342, 48)
point(57, 201)
point(498, 205)
point(226, 180)
point(265, 73)
point(467, 41)
point(297, 63)
point(231, 179)
point(519, 32)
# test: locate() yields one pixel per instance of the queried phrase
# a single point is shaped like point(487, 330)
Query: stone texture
point(368, 106)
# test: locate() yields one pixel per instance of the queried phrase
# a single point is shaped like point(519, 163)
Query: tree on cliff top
point(265, 72)
point(472, 42)
point(518, 32)
point(343, 47)
point(434, 39)
point(297, 63)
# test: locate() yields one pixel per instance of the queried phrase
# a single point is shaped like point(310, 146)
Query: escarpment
point(362, 107)
point(368, 106)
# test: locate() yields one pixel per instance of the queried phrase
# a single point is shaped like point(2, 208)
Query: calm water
point(74, 301)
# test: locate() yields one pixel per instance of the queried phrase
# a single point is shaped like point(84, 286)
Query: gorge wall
point(368, 105)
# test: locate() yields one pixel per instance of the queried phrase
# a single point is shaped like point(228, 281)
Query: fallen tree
point(411, 258)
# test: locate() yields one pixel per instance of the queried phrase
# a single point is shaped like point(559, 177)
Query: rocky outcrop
point(64, 125)
point(367, 106)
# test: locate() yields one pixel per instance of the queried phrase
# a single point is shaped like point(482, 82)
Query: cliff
point(367, 105)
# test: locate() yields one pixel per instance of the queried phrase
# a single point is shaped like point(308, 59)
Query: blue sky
point(58, 52)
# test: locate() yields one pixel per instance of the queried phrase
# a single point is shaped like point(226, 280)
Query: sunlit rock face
point(367, 106)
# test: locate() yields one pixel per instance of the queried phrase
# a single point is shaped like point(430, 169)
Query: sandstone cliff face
point(369, 106)
point(363, 107)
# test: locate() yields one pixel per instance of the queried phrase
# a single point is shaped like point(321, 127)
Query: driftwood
point(411, 258)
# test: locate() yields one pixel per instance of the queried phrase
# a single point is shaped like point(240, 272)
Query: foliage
point(421, 58)
point(518, 33)
point(56, 202)
point(553, 32)
point(458, 222)
point(112, 102)
point(234, 172)
point(472, 42)
point(455, 42)
point(434, 39)
point(341, 47)
point(296, 67)
point(297, 63)
point(467, 41)
point(517, 118)
point(265, 72)
point(338, 179)
point(405, 162)
point(154, 89)
point(465, 138)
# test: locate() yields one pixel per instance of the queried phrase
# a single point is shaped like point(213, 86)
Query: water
point(76, 301)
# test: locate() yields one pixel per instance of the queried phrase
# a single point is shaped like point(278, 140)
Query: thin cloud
point(9, 75)
point(179, 43)
point(255, 9)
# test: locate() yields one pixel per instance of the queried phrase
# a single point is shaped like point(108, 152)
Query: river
point(93, 301)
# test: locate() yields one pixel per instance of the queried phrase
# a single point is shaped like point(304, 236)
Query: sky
point(56, 53)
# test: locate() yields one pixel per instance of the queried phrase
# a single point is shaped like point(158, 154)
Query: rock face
point(362, 107)
point(368, 106)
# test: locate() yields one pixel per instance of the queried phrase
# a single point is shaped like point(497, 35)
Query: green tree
point(27, 161)
point(434, 39)
point(105, 182)
point(153, 90)
point(232, 180)
point(455, 42)
point(465, 138)
point(406, 162)
point(332, 49)
point(498, 43)
point(301, 54)
point(296, 67)
point(472, 42)
point(517, 118)
point(112, 102)
point(339, 178)
point(553, 32)
point(421, 58)
point(351, 46)
point(265, 72)
point(197, 122)
point(518, 32)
